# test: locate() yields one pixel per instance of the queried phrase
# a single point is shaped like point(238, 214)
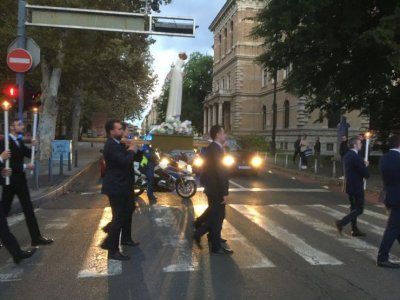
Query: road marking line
point(370, 213)
point(11, 272)
point(58, 226)
point(96, 263)
point(356, 244)
point(308, 253)
point(18, 218)
point(247, 251)
point(236, 184)
point(185, 260)
point(338, 215)
point(286, 190)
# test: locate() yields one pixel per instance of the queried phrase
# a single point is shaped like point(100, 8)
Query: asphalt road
point(280, 228)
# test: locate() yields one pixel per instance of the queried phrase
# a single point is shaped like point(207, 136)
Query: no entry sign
point(19, 60)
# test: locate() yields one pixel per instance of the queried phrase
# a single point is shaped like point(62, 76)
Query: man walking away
point(117, 185)
point(390, 170)
point(216, 184)
point(356, 171)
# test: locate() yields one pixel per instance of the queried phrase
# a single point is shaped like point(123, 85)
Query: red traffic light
point(11, 91)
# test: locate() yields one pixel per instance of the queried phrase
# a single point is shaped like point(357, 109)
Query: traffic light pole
point(21, 36)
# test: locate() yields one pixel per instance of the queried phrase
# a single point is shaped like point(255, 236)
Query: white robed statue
point(175, 92)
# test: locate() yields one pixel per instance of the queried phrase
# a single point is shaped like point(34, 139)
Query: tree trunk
point(77, 102)
point(274, 116)
point(51, 77)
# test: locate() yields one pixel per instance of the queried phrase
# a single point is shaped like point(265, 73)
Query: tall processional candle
point(6, 106)
point(34, 131)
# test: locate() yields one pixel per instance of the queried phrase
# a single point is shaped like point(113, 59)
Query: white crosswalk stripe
point(249, 255)
point(308, 253)
point(338, 215)
point(329, 230)
point(371, 213)
point(96, 263)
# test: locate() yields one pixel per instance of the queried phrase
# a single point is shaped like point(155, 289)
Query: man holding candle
point(356, 171)
point(18, 183)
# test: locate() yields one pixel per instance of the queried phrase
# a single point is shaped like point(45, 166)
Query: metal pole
point(69, 162)
point(276, 157)
point(334, 168)
point(50, 170)
point(61, 165)
point(316, 166)
point(286, 160)
point(21, 38)
point(76, 158)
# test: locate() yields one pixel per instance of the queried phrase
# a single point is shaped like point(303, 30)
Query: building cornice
point(221, 13)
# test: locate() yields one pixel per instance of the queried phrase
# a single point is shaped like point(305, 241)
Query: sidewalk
point(325, 171)
point(86, 156)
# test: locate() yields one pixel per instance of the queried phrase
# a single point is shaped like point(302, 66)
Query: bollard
point(300, 163)
point(51, 170)
point(76, 158)
point(61, 165)
point(316, 166)
point(286, 161)
point(276, 157)
point(334, 169)
point(69, 162)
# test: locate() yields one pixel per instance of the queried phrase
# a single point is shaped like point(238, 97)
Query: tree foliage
point(345, 54)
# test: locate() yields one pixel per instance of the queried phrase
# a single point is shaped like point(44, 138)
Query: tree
point(345, 54)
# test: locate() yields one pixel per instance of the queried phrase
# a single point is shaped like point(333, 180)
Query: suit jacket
point(18, 153)
point(215, 177)
point(355, 171)
point(390, 170)
point(117, 180)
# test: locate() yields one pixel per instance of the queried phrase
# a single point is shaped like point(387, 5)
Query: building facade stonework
point(242, 95)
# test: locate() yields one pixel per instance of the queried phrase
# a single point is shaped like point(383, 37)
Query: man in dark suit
point(216, 187)
point(6, 237)
point(390, 170)
point(356, 171)
point(18, 184)
point(117, 185)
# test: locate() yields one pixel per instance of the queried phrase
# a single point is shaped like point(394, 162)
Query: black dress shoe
point(387, 264)
point(118, 256)
point(107, 228)
point(24, 255)
point(358, 233)
point(197, 240)
point(221, 252)
point(339, 227)
point(130, 243)
point(227, 249)
point(222, 240)
point(42, 241)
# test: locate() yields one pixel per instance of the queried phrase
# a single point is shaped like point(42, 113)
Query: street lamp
point(6, 107)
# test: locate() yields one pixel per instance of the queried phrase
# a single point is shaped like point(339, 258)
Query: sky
point(166, 49)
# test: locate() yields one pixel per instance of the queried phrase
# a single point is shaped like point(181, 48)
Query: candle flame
point(6, 105)
point(35, 109)
point(368, 134)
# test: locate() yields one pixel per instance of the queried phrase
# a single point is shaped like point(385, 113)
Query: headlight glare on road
point(198, 162)
point(228, 160)
point(256, 161)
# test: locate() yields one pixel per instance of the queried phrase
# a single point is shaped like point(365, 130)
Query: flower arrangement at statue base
point(174, 127)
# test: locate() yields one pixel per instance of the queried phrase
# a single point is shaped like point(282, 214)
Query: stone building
point(243, 91)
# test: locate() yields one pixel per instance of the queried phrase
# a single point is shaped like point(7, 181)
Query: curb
point(56, 191)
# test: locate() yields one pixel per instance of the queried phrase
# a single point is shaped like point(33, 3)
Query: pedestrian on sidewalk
point(304, 152)
point(296, 148)
point(356, 171)
point(317, 150)
point(216, 187)
point(6, 237)
point(390, 170)
point(342, 151)
point(117, 185)
point(18, 183)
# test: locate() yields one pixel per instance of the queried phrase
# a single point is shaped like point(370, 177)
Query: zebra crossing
point(177, 253)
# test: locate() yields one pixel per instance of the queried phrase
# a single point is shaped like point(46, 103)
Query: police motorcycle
point(169, 176)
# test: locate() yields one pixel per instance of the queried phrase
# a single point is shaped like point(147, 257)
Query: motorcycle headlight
point(164, 163)
point(228, 160)
point(189, 169)
point(256, 161)
point(198, 162)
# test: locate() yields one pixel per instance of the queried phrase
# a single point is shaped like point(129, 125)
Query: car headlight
point(228, 160)
point(198, 162)
point(164, 163)
point(256, 161)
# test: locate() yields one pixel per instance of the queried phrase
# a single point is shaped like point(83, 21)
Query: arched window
point(220, 45)
point(264, 119)
point(231, 34)
point(286, 118)
point(226, 40)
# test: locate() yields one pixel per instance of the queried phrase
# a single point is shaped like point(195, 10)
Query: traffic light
point(11, 91)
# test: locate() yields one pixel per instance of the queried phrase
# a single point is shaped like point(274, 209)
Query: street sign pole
point(21, 36)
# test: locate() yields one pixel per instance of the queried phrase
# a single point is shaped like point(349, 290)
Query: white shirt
point(354, 151)
point(395, 149)
point(15, 140)
point(118, 142)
